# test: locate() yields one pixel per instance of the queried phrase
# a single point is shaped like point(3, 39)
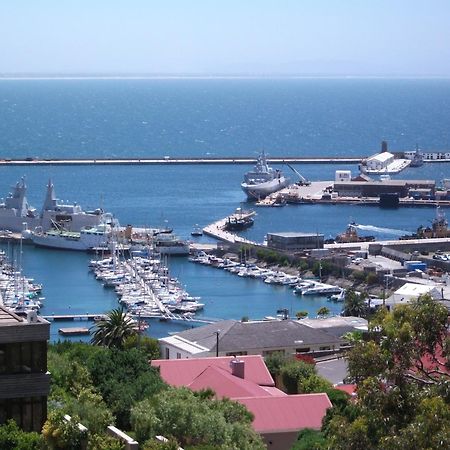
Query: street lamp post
point(217, 343)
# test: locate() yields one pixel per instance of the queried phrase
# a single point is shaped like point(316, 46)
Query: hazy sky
point(260, 37)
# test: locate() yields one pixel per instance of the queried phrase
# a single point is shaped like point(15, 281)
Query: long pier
point(88, 317)
point(167, 160)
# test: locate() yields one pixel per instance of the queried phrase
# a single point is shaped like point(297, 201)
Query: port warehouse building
point(379, 161)
point(293, 242)
point(403, 188)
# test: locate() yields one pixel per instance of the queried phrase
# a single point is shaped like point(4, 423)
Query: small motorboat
point(197, 231)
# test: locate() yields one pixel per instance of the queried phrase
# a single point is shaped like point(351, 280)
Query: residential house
point(264, 337)
point(277, 417)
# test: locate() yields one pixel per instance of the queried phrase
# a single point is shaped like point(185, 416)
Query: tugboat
point(263, 180)
point(351, 235)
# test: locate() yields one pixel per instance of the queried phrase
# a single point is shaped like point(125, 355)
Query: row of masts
point(18, 294)
point(144, 286)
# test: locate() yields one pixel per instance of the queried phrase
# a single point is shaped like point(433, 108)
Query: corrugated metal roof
point(182, 372)
point(287, 413)
point(224, 384)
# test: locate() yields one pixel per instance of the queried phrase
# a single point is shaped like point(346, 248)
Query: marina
point(127, 186)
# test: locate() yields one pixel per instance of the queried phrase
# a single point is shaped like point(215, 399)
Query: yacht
point(170, 244)
point(263, 180)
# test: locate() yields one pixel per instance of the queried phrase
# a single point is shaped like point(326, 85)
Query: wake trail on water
point(381, 229)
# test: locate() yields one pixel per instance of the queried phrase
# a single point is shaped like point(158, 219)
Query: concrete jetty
point(168, 160)
point(218, 231)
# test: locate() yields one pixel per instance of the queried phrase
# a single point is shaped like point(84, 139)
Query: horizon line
point(199, 76)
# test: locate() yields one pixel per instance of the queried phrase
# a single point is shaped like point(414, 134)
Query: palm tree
point(114, 329)
point(354, 304)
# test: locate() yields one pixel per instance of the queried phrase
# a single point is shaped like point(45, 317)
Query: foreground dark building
point(24, 380)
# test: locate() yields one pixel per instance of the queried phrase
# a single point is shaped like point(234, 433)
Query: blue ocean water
point(62, 118)
point(113, 118)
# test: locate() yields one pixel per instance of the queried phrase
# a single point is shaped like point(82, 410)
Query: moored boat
point(83, 240)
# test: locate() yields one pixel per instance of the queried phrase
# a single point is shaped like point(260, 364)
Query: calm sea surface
point(123, 118)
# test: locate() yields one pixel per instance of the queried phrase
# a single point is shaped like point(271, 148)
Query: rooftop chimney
point(237, 368)
point(384, 147)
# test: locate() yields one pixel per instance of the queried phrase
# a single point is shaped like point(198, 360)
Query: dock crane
point(303, 181)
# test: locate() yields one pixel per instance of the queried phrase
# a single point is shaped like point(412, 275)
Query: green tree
point(293, 372)
point(354, 304)
point(301, 314)
point(146, 344)
point(60, 433)
point(402, 385)
point(13, 438)
point(323, 312)
point(73, 391)
point(124, 378)
point(274, 362)
point(309, 439)
point(114, 329)
point(322, 268)
point(192, 420)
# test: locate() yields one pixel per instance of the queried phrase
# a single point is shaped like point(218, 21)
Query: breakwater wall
point(172, 161)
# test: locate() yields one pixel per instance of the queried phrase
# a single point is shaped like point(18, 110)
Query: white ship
point(170, 244)
point(86, 239)
point(15, 212)
point(263, 180)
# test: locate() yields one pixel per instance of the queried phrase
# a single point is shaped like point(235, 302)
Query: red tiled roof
point(224, 384)
point(287, 413)
point(182, 372)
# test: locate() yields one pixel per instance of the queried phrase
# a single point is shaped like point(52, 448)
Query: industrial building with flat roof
point(294, 242)
point(374, 188)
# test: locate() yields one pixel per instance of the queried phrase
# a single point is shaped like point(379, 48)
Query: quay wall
point(173, 161)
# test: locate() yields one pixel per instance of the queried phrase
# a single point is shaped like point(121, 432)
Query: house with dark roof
point(278, 417)
point(232, 337)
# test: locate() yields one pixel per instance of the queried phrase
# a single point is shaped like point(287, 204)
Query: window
point(24, 357)
point(235, 354)
point(302, 350)
point(167, 351)
point(325, 348)
point(178, 355)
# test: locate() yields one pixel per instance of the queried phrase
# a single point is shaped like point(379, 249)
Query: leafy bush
point(275, 362)
point(310, 440)
point(13, 438)
point(294, 371)
point(371, 278)
point(60, 433)
point(192, 420)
